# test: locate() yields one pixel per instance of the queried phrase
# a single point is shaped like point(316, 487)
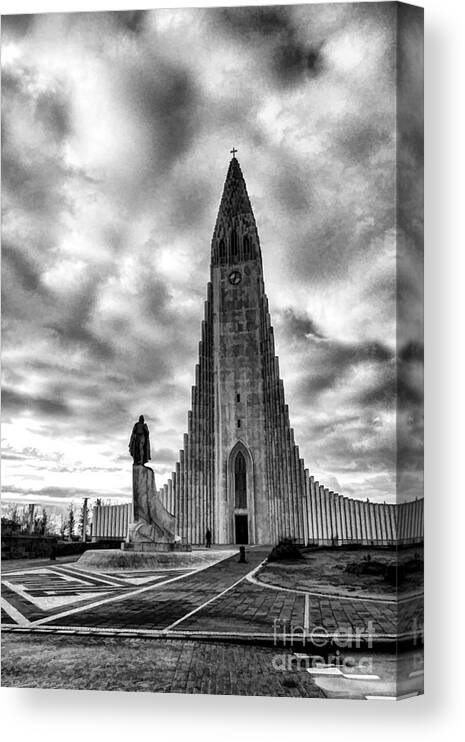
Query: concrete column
point(314, 508)
point(382, 510)
point(182, 531)
point(338, 504)
point(197, 514)
point(335, 535)
point(318, 511)
point(394, 522)
point(356, 520)
point(307, 515)
point(188, 460)
point(324, 514)
point(284, 493)
point(345, 529)
point(309, 507)
point(361, 506)
point(290, 455)
point(178, 510)
point(377, 522)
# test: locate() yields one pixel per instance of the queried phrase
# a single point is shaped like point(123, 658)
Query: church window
point(246, 247)
point(240, 481)
point(238, 423)
point(234, 245)
point(222, 251)
point(238, 397)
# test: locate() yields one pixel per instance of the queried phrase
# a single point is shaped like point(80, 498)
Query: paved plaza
point(222, 600)
point(254, 638)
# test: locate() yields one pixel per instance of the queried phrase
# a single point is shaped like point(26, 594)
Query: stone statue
point(139, 444)
point(152, 526)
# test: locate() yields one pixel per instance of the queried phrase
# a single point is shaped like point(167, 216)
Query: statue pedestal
point(153, 528)
point(147, 547)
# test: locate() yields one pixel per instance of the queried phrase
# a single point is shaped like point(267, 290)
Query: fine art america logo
point(359, 639)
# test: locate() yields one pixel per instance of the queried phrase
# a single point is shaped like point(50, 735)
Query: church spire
point(235, 199)
point(235, 238)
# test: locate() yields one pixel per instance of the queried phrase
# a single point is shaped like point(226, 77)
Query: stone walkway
point(163, 666)
point(193, 666)
point(219, 601)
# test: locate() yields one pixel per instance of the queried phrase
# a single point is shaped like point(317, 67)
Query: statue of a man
point(139, 444)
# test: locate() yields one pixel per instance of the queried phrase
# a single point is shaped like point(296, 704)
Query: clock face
point(235, 277)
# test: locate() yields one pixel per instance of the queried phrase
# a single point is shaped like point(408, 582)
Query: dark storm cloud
point(332, 360)
point(34, 174)
point(412, 352)
point(382, 395)
point(23, 270)
point(348, 455)
point(17, 25)
point(290, 58)
point(14, 402)
point(156, 297)
point(321, 430)
point(291, 189)
point(410, 124)
point(190, 204)
point(37, 184)
point(359, 140)
point(393, 388)
point(293, 60)
point(72, 331)
point(53, 111)
point(298, 325)
point(167, 100)
point(409, 393)
point(333, 239)
point(249, 22)
point(50, 108)
point(130, 20)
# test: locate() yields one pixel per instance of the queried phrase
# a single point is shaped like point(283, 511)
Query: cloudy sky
point(117, 129)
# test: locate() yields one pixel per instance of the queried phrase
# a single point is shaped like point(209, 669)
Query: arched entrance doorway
point(241, 499)
point(241, 520)
point(240, 481)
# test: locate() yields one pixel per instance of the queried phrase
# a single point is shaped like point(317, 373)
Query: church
point(240, 473)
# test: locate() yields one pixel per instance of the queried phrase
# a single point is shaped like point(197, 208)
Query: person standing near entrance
point(208, 538)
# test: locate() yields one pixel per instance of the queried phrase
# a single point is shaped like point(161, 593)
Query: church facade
point(240, 473)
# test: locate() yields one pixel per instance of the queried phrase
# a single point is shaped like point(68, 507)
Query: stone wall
point(330, 520)
point(19, 546)
point(111, 521)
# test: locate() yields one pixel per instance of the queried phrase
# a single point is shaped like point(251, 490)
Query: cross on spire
point(233, 152)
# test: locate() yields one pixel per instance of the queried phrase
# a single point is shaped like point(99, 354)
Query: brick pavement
point(164, 666)
point(246, 608)
point(254, 609)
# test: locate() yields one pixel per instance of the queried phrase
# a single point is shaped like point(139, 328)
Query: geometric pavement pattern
point(223, 598)
point(41, 594)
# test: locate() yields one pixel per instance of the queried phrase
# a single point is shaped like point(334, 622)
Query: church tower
point(239, 472)
point(239, 317)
